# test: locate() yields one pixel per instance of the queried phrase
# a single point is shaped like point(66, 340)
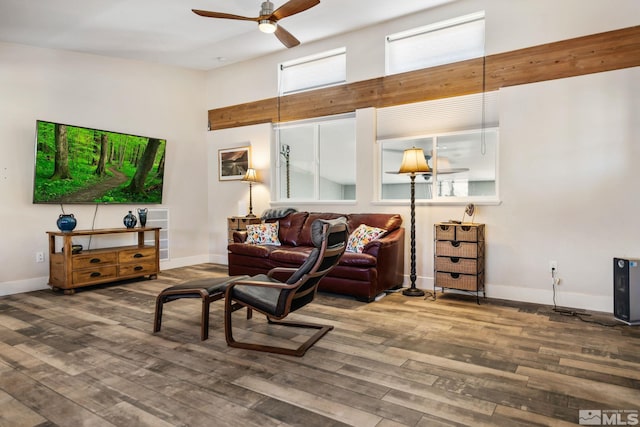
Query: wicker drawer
point(89, 260)
point(457, 249)
point(469, 233)
point(466, 232)
point(139, 268)
point(445, 232)
point(136, 255)
point(459, 265)
point(97, 274)
point(466, 282)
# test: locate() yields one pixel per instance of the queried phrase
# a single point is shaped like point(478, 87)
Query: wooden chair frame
point(313, 273)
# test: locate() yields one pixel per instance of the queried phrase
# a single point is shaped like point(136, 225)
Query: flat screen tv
point(75, 164)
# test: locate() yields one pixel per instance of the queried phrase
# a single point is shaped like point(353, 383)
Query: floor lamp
point(413, 162)
point(250, 177)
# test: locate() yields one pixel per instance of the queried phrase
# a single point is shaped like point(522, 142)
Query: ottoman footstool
point(209, 290)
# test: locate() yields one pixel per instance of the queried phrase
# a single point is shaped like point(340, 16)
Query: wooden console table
point(69, 270)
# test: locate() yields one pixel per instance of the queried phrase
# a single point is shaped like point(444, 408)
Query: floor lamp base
point(413, 292)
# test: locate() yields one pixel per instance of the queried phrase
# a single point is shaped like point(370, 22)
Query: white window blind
point(313, 72)
point(438, 116)
point(442, 43)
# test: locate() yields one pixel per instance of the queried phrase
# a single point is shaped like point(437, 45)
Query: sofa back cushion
point(295, 228)
point(304, 238)
point(290, 228)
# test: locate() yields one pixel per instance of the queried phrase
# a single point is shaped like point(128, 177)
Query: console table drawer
point(136, 255)
point(459, 265)
point(95, 274)
point(94, 260)
point(142, 268)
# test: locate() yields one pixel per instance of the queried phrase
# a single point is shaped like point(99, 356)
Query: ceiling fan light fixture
point(267, 26)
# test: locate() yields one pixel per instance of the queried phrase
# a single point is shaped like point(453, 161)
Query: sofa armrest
point(239, 236)
point(386, 243)
point(389, 254)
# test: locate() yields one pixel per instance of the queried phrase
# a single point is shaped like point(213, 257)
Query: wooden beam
point(595, 53)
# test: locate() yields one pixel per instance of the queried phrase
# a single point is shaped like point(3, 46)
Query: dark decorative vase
point(142, 214)
point(130, 220)
point(66, 222)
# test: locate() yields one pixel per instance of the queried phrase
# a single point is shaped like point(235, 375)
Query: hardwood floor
point(90, 359)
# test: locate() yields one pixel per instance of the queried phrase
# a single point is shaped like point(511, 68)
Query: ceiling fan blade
point(292, 7)
point(208, 14)
point(286, 37)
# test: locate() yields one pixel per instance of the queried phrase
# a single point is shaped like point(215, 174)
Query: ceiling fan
point(268, 19)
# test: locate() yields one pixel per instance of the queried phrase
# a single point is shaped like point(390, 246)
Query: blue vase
point(130, 220)
point(66, 222)
point(142, 214)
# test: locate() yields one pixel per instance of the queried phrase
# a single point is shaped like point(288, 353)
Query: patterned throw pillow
point(361, 236)
point(263, 234)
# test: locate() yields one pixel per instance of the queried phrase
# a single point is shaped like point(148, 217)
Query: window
point(460, 139)
point(313, 72)
point(442, 43)
point(316, 159)
point(464, 165)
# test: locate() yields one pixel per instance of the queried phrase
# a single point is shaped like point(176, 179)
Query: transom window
point(441, 43)
point(313, 72)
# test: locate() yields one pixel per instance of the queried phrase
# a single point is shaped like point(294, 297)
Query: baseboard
point(39, 283)
point(603, 303)
point(183, 262)
point(219, 259)
point(25, 285)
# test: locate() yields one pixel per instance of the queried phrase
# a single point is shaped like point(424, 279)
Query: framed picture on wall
point(233, 163)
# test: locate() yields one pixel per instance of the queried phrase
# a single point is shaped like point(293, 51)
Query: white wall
point(105, 93)
point(565, 156)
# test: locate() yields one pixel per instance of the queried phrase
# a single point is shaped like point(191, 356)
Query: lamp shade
point(250, 176)
point(414, 161)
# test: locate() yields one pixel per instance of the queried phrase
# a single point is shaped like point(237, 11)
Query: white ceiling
point(166, 31)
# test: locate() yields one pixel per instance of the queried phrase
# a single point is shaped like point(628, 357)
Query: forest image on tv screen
point(81, 165)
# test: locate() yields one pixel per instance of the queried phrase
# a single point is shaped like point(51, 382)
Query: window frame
point(276, 190)
point(435, 198)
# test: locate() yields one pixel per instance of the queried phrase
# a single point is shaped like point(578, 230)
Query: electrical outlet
point(39, 256)
point(553, 266)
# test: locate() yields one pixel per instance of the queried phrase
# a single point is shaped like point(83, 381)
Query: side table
point(239, 223)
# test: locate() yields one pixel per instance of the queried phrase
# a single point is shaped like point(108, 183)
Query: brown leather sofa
point(364, 275)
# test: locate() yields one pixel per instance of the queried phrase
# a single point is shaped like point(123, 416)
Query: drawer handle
point(455, 275)
point(95, 274)
point(455, 260)
point(138, 256)
point(455, 244)
point(138, 268)
point(444, 227)
point(466, 228)
point(95, 260)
